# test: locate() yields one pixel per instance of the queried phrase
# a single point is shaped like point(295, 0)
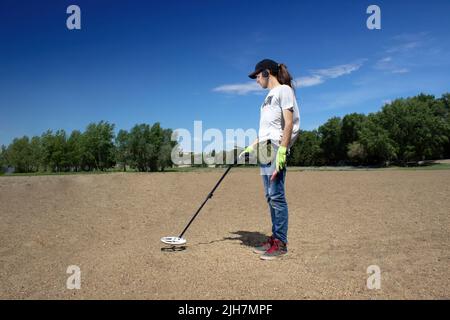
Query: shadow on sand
point(173, 248)
point(246, 238)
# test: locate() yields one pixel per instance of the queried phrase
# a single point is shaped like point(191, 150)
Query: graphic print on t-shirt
point(267, 101)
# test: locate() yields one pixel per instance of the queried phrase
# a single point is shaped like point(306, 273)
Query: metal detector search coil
point(173, 240)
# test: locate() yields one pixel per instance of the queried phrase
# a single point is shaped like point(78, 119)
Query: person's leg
point(263, 247)
point(266, 180)
point(278, 203)
point(279, 206)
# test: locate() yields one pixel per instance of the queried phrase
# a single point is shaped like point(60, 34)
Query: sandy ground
point(110, 225)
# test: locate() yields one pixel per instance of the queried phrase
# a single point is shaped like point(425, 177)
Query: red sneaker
point(264, 246)
point(277, 250)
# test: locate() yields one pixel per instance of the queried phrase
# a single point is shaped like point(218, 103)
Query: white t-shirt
point(271, 122)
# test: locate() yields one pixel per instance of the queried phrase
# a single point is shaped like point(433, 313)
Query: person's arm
point(249, 149)
point(288, 115)
point(255, 142)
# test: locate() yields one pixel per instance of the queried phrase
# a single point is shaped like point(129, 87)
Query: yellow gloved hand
point(281, 158)
point(248, 150)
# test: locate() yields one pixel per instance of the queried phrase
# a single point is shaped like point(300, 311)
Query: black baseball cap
point(263, 65)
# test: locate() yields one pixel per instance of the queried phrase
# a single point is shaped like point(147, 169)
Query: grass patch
point(434, 166)
point(31, 174)
point(168, 170)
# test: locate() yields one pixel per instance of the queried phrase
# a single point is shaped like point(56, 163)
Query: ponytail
point(284, 77)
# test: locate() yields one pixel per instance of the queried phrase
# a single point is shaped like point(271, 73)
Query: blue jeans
point(275, 195)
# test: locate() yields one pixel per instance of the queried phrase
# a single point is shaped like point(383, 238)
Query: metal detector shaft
point(207, 198)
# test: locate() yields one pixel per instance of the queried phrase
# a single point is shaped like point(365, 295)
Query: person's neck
point(273, 82)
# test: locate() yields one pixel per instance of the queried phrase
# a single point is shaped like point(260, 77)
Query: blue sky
point(180, 61)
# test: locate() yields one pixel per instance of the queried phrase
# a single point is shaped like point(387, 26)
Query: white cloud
point(406, 37)
point(317, 77)
point(407, 42)
point(383, 63)
point(368, 95)
point(404, 47)
point(401, 70)
point(310, 81)
point(239, 88)
point(321, 75)
point(389, 65)
point(339, 70)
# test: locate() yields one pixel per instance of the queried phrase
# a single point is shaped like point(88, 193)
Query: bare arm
point(287, 132)
point(254, 142)
point(288, 126)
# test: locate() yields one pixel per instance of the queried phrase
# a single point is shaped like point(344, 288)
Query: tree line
point(403, 131)
point(144, 148)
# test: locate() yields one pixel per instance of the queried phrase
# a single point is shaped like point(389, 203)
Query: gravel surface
point(110, 226)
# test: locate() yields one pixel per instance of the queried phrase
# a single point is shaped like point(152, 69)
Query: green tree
point(331, 142)
point(164, 157)
point(139, 144)
point(155, 144)
point(445, 114)
point(417, 126)
point(37, 154)
point(352, 125)
point(150, 147)
point(306, 150)
point(356, 152)
point(123, 148)
point(19, 155)
point(98, 145)
point(3, 159)
point(55, 151)
point(75, 150)
point(377, 144)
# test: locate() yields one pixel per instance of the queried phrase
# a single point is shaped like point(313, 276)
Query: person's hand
point(280, 162)
point(248, 150)
point(281, 158)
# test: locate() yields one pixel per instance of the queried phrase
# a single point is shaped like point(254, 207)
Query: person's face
point(263, 82)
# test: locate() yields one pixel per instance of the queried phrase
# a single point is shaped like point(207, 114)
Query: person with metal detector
point(278, 128)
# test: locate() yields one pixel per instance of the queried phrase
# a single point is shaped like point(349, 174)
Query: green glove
point(281, 158)
point(249, 149)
